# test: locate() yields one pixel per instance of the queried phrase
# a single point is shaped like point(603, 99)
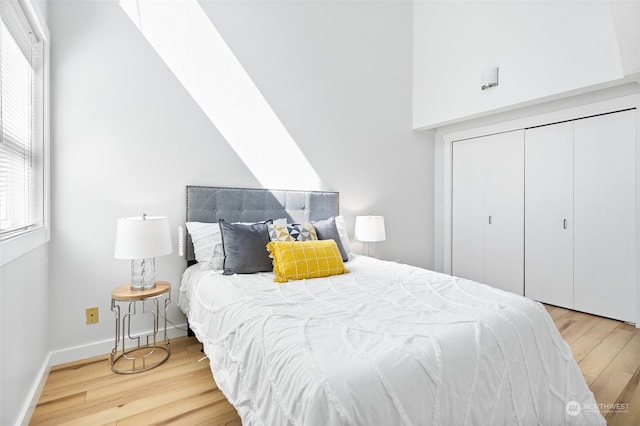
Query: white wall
point(24, 340)
point(626, 15)
point(127, 137)
point(543, 50)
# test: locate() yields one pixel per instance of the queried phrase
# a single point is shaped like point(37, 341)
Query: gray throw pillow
point(245, 247)
point(327, 230)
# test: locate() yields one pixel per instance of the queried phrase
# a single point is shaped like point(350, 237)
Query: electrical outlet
point(92, 315)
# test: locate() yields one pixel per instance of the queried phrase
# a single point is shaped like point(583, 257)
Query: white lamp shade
point(141, 238)
point(369, 228)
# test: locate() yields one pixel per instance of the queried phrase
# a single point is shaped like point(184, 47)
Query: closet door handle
point(489, 220)
point(564, 223)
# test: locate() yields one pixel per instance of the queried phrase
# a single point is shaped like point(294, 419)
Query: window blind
point(21, 106)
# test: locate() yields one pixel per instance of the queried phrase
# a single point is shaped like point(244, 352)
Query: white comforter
point(386, 344)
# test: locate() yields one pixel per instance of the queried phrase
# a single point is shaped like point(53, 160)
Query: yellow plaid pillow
point(297, 260)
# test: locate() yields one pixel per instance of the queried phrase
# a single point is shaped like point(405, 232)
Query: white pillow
point(344, 237)
point(207, 242)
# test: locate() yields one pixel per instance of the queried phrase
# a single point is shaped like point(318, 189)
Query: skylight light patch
point(188, 42)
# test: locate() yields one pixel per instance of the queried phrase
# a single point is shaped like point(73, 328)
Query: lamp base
point(143, 273)
point(369, 249)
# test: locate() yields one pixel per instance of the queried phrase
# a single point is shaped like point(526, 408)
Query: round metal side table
point(145, 350)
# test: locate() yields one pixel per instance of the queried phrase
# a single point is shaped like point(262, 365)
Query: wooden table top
point(124, 292)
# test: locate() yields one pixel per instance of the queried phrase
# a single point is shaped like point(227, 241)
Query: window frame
point(22, 243)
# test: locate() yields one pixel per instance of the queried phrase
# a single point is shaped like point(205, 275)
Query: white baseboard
point(101, 347)
point(75, 353)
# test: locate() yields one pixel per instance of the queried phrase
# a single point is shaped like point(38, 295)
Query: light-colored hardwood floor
point(182, 390)
point(179, 392)
point(608, 353)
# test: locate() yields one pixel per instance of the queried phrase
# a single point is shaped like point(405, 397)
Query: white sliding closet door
point(468, 210)
point(488, 210)
point(504, 205)
point(604, 198)
point(549, 214)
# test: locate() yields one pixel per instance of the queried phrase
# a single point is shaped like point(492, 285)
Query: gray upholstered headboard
point(209, 204)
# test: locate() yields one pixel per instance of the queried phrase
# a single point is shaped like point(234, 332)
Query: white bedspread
point(387, 344)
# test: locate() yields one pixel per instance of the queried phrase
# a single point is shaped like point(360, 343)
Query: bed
point(384, 344)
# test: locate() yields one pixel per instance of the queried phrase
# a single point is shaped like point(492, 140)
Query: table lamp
point(369, 229)
point(142, 239)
